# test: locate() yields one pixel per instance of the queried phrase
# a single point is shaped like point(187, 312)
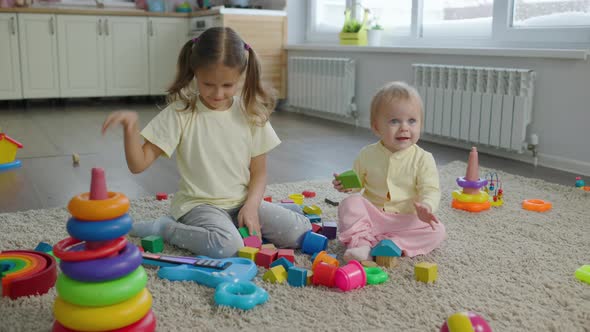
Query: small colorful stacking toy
point(102, 284)
point(26, 272)
point(465, 322)
point(8, 148)
point(471, 198)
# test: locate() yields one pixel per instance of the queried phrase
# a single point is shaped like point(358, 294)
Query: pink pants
point(360, 223)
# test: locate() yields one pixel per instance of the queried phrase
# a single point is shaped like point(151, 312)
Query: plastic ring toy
point(28, 273)
point(32, 264)
point(10, 265)
point(243, 295)
point(464, 183)
point(480, 197)
point(100, 294)
point(471, 207)
point(537, 205)
point(102, 318)
point(104, 269)
point(78, 251)
point(99, 231)
point(83, 208)
point(146, 324)
point(375, 275)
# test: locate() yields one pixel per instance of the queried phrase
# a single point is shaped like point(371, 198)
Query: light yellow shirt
point(409, 176)
point(213, 152)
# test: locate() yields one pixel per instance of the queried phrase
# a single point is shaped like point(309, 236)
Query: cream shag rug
point(512, 266)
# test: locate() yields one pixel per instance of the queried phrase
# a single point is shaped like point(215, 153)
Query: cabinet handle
point(106, 27)
point(99, 27)
point(12, 26)
point(51, 27)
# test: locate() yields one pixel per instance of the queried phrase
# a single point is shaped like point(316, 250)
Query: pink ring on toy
point(464, 183)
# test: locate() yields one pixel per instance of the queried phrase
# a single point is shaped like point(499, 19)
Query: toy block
point(583, 273)
point(329, 229)
point(308, 194)
point(425, 272)
point(75, 159)
point(313, 209)
point(253, 241)
point(316, 228)
point(387, 248)
point(313, 218)
point(265, 257)
point(276, 275)
point(331, 201)
point(282, 261)
point(288, 254)
point(287, 201)
point(349, 179)
point(153, 244)
point(297, 277)
point(297, 198)
point(268, 246)
point(161, 196)
point(248, 252)
point(44, 247)
point(386, 261)
point(268, 199)
point(369, 264)
point(244, 232)
point(309, 277)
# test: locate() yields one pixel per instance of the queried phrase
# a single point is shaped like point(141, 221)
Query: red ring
point(60, 249)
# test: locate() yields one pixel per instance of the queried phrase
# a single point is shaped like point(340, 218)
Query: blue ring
point(243, 295)
point(99, 230)
point(103, 269)
point(13, 164)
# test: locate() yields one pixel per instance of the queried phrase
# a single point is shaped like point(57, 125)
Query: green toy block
point(349, 179)
point(583, 274)
point(153, 244)
point(244, 232)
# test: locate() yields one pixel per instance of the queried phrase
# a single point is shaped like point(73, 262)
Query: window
point(327, 16)
point(394, 16)
point(551, 13)
point(461, 18)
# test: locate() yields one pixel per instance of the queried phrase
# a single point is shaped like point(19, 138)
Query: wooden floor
point(51, 131)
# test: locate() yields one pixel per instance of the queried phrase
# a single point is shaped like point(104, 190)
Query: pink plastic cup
point(351, 276)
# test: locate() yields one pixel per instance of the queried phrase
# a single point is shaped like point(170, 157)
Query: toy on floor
point(465, 322)
point(537, 205)
point(583, 273)
point(426, 272)
point(26, 272)
point(471, 198)
point(581, 184)
point(243, 295)
point(386, 253)
point(8, 148)
point(494, 189)
point(102, 285)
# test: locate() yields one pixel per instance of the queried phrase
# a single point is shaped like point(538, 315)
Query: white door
point(10, 85)
point(38, 51)
point(126, 56)
point(166, 38)
point(81, 55)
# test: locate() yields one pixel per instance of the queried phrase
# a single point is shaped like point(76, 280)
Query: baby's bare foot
point(360, 254)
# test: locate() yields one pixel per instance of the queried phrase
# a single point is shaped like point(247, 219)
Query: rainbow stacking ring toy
point(471, 198)
point(102, 286)
point(26, 273)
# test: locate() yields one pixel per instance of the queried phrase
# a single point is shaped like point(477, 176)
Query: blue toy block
point(313, 242)
point(44, 247)
point(282, 261)
point(297, 277)
point(386, 248)
point(313, 218)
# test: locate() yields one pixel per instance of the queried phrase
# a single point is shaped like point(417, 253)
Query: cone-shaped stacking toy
point(102, 286)
point(471, 198)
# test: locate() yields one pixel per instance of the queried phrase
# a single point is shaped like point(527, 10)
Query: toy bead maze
point(102, 286)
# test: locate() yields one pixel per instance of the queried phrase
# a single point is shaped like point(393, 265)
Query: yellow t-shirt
point(213, 152)
point(408, 176)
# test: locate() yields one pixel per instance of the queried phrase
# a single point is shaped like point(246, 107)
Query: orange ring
point(586, 188)
point(471, 207)
point(537, 205)
point(83, 208)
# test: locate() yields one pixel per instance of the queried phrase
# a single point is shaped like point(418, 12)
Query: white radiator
point(324, 85)
point(488, 106)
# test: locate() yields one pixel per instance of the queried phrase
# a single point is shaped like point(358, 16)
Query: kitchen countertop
point(139, 12)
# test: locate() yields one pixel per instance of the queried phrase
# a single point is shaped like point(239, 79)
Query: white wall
point(561, 115)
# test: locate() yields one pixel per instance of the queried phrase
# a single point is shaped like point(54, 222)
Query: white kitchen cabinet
point(81, 55)
point(166, 38)
point(126, 47)
point(38, 54)
point(10, 84)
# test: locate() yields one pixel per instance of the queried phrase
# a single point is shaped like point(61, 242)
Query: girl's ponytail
point(258, 102)
point(184, 76)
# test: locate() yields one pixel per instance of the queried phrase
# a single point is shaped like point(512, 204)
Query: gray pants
point(210, 231)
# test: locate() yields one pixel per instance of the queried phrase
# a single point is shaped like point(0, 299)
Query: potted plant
point(353, 31)
point(374, 35)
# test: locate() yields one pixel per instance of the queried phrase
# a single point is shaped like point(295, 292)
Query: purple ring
point(104, 269)
point(464, 183)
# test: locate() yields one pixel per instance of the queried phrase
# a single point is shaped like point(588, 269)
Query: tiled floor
point(50, 132)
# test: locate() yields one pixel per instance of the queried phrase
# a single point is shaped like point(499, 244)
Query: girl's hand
point(128, 119)
point(248, 216)
point(338, 186)
point(424, 213)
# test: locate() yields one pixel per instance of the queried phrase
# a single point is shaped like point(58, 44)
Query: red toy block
point(316, 228)
point(161, 196)
point(253, 242)
point(289, 254)
point(268, 199)
point(308, 194)
point(265, 257)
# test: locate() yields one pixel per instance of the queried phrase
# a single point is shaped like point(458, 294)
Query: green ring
point(100, 294)
point(19, 264)
point(375, 275)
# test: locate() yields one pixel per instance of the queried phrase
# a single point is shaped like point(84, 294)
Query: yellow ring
point(297, 198)
point(83, 208)
point(537, 205)
point(469, 198)
point(106, 318)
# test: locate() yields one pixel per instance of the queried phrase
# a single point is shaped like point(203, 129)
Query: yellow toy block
point(309, 277)
point(268, 246)
point(248, 252)
point(276, 275)
point(314, 209)
point(297, 198)
point(425, 272)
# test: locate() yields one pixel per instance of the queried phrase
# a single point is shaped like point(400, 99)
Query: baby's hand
point(338, 186)
point(128, 119)
point(424, 214)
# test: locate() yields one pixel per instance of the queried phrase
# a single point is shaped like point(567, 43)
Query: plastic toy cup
point(323, 256)
point(324, 274)
point(351, 276)
point(313, 242)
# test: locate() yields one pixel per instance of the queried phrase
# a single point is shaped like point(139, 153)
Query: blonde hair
point(222, 46)
point(395, 92)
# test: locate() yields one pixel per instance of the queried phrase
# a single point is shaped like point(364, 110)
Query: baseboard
point(322, 115)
